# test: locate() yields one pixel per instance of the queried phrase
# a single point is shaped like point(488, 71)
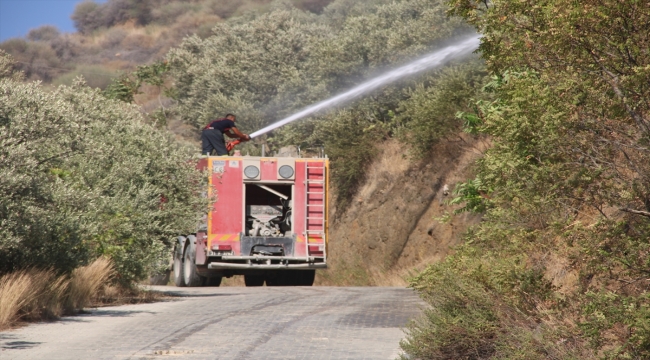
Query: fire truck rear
point(268, 223)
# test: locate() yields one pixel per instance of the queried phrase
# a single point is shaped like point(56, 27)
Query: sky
point(17, 17)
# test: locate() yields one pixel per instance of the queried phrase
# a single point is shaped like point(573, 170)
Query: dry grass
point(42, 294)
point(15, 292)
point(113, 295)
point(86, 282)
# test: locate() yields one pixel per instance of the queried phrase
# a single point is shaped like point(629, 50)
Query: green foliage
point(429, 112)
point(481, 304)
point(460, 324)
point(473, 194)
point(95, 76)
point(8, 68)
point(351, 139)
point(567, 176)
point(127, 86)
point(123, 88)
point(83, 176)
point(610, 314)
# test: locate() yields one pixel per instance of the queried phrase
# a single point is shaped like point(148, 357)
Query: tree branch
point(637, 212)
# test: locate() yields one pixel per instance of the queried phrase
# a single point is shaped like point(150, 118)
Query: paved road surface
point(229, 323)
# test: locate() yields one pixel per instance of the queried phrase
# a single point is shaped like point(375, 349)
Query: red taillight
point(221, 248)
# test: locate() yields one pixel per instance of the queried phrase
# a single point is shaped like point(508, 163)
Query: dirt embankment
point(389, 231)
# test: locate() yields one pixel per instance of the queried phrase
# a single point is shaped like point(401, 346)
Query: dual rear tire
point(185, 272)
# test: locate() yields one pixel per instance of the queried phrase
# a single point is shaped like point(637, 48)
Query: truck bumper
point(268, 263)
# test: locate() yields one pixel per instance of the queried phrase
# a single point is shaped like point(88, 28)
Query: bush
point(43, 33)
point(87, 17)
point(95, 76)
point(113, 38)
point(429, 112)
point(168, 13)
point(224, 8)
point(315, 6)
point(461, 322)
point(83, 176)
point(37, 60)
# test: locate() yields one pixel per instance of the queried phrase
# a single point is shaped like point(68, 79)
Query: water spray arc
point(428, 62)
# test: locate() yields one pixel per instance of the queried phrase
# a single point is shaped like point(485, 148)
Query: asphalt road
point(229, 323)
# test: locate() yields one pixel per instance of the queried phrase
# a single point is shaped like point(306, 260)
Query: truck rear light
point(221, 248)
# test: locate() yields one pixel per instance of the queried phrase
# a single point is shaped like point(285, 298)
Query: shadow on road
point(106, 313)
point(191, 295)
point(15, 345)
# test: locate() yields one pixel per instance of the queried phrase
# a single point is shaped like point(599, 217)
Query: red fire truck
point(268, 223)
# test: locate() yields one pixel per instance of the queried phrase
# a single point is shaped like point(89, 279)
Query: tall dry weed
point(86, 282)
point(15, 292)
point(42, 294)
point(48, 290)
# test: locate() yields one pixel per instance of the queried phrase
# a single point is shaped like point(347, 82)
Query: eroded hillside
point(394, 227)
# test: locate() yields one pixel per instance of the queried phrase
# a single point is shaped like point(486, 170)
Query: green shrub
point(429, 112)
point(461, 322)
point(95, 76)
point(83, 176)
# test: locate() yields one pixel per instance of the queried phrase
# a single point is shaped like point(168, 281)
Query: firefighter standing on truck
point(212, 135)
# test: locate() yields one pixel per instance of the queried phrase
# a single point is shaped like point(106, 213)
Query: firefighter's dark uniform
point(212, 136)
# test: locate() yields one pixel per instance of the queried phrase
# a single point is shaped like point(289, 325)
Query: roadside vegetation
point(558, 268)
point(44, 294)
point(83, 176)
point(36, 294)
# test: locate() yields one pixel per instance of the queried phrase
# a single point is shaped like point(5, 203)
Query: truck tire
point(213, 281)
point(305, 277)
point(190, 275)
point(281, 278)
point(254, 280)
point(178, 267)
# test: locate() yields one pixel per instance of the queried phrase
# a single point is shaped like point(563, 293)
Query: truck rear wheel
point(277, 278)
point(178, 267)
point(305, 277)
point(213, 281)
point(190, 275)
point(253, 280)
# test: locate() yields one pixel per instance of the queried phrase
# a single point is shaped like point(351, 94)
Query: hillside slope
point(389, 231)
point(116, 36)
